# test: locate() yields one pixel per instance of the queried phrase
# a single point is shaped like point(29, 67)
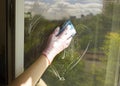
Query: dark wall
point(3, 61)
point(2, 23)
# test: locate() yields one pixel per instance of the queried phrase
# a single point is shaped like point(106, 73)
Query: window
point(93, 57)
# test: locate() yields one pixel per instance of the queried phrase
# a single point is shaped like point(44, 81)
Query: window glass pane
point(94, 54)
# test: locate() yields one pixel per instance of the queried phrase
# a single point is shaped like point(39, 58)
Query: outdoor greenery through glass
point(93, 57)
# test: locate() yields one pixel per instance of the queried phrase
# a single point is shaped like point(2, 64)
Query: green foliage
point(111, 37)
point(111, 48)
point(79, 75)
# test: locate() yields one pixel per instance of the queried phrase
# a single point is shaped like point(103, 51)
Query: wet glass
point(94, 54)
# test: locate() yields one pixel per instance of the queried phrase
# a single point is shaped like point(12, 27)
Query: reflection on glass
point(93, 56)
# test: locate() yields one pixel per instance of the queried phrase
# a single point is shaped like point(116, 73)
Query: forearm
point(41, 83)
point(56, 43)
point(33, 73)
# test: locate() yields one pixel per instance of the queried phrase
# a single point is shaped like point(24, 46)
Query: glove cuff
point(49, 54)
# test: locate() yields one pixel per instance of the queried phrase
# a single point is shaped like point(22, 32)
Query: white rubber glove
point(56, 44)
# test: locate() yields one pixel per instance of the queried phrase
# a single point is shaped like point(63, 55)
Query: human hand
point(57, 43)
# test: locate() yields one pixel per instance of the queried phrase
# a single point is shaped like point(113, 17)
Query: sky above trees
point(58, 9)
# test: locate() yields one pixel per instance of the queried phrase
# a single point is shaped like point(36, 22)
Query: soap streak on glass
point(88, 60)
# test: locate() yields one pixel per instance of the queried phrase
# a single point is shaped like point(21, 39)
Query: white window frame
point(19, 37)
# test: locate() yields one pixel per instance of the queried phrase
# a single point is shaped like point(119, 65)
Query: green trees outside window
point(93, 56)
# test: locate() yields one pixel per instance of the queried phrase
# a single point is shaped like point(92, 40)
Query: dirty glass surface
point(93, 57)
